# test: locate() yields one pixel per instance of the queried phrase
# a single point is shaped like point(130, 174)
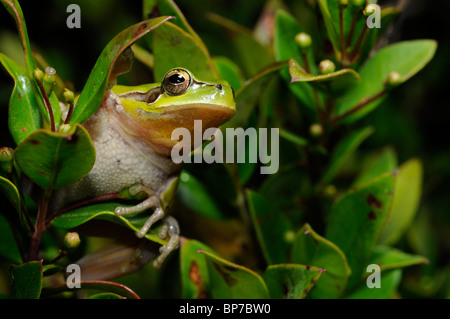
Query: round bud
point(6, 159)
point(316, 129)
point(68, 96)
point(343, 3)
point(64, 128)
point(49, 79)
point(393, 79)
point(38, 75)
point(327, 67)
point(289, 236)
point(370, 9)
point(72, 240)
point(330, 191)
point(303, 40)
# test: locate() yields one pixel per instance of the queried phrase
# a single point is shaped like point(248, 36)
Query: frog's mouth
point(163, 130)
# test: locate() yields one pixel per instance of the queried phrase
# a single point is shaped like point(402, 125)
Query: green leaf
point(54, 160)
point(408, 189)
point(309, 248)
point(26, 281)
point(100, 77)
point(271, 227)
point(11, 192)
point(334, 82)
point(389, 282)
point(105, 211)
point(168, 8)
point(197, 197)
point(328, 20)
point(228, 280)
point(174, 47)
point(376, 165)
point(343, 151)
point(407, 58)
point(194, 269)
point(356, 220)
point(290, 281)
point(229, 71)
point(392, 258)
point(23, 116)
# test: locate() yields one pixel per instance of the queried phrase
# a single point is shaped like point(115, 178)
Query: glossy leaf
point(197, 197)
point(100, 77)
point(356, 220)
point(105, 211)
point(168, 8)
point(26, 281)
point(346, 147)
point(309, 248)
point(407, 58)
point(174, 47)
point(376, 165)
point(231, 281)
point(11, 192)
point(291, 281)
point(334, 82)
point(392, 258)
point(408, 191)
point(23, 116)
point(54, 160)
point(194, 269)
point(270, 226)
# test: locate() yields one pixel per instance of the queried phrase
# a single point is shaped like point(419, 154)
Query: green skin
point(131, 132)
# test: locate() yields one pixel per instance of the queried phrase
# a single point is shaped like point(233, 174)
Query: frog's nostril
point(219, 86)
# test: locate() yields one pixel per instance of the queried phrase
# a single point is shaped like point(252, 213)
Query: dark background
point(414, 120)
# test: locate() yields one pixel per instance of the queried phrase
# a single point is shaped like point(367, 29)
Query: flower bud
point(38, 75)
point(49, 79)
point(68, 95)
point(370, 9)
point(316, 130)
point(394, 78)
point(303, 40)
point(6, 159)
point(343, 3)
point(72, 240)
point(64, 128)
point(327, 67)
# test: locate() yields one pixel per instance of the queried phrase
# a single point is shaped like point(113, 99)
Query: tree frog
point(131, 133)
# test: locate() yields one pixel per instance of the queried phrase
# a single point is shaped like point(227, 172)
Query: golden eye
point(177, 81)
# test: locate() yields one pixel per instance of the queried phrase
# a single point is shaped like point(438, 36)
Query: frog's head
point(158, 109)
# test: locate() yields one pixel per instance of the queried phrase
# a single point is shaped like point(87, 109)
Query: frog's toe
point(172, 229)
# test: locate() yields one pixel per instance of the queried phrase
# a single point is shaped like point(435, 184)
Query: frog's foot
point(151, 202)
point(172, 229)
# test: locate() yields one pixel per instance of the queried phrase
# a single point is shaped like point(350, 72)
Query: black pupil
point(176, 79)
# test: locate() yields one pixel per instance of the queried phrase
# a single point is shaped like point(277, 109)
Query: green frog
point(131, 133)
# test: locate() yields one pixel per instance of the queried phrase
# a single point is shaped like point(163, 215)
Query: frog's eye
point(177, 82)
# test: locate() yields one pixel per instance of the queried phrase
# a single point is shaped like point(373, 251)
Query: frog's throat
point(155, 129)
